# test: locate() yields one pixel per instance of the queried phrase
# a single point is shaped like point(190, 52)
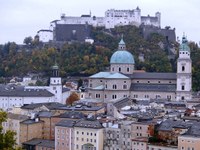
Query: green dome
point(122, 57)
point(184, 45)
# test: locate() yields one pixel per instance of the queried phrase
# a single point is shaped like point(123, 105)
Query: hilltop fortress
point(112, 19)
point(78, 28)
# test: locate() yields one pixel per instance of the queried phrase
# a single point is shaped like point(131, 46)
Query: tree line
point(86, 59)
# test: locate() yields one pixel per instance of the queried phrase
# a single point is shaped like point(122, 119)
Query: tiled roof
point(31, 121)
point(89, 124)
point(20, 91)
point(66, 123)
point(49, 105)
point(84, 108)
point(152, 75)
point(45, 114)
point(72, 115)
point(168, 124)
point(153, 87)
point(41, 142)
point(17, 116)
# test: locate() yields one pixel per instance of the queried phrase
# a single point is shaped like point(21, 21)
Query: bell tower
point(184, 73)
point(56, 84)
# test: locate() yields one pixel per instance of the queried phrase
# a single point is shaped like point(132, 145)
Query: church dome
point(122, 56)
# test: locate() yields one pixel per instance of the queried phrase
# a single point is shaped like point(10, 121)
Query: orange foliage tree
point(72, 98)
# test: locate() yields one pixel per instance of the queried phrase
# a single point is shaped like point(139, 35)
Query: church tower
point(184, 73)
point(56, 84)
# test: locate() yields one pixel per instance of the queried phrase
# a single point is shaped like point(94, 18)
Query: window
point(112, 68)
point(127, 69)
point(119, 69)
point(183, 87)
point(169, 97)
point(114, 86)
point(183, 68)
point(124, 86)
point(98, 96)
point(114, 96)
point(182, 98)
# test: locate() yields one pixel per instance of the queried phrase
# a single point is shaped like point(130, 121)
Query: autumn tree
point(7, 139)
point(72, 98)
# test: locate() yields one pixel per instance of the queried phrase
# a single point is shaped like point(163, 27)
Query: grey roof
point(168, 124)
point(49, 105)
point(85, 108)
point(123, 102)
point(17, 116)
point(153, 87)
point(20, 91)
point(89, 124)
point(66, 123)
point(40, 142)
point(31, 121)
point(45, 114)
point(152, 75)
point(175, 104)
point(72, 115)
point(194, 129)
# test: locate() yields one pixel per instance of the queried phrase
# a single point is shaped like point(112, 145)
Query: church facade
point(124, 81)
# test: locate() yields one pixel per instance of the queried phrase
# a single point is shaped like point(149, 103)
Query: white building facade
point(184, 72)
point(112, 19)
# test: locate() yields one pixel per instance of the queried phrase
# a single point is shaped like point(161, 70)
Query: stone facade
point(140, 85)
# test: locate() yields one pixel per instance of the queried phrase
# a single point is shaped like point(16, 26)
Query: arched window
point(183, 68)
point(128, 69)
point(119, 69)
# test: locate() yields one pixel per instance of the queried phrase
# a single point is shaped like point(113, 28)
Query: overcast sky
point(23, 18)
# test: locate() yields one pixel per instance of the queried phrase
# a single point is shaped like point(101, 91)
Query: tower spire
point(122, 45)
